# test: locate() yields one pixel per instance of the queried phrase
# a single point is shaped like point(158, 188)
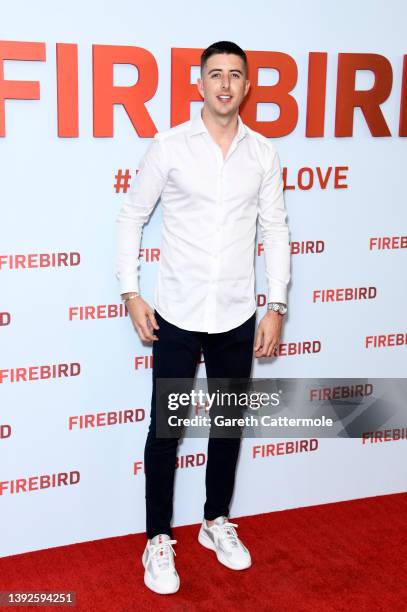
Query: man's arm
point(136, 209)
point(276, 240)
point(276, 237)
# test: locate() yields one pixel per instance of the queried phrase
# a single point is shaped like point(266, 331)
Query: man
point(215, 177)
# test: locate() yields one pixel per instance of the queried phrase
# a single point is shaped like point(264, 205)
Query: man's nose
point(225, 82)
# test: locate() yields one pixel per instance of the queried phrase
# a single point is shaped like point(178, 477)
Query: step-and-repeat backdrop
point(84, 86)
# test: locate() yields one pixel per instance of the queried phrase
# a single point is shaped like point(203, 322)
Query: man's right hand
point(143, 319)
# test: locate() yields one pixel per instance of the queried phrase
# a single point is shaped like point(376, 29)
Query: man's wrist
point(130, 295)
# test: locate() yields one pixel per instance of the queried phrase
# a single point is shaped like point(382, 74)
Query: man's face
point(223, 83)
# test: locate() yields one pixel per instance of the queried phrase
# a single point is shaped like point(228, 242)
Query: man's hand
point(143, 319)
point(268, 334)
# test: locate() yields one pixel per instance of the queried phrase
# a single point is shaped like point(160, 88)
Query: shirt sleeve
point(272, 216)
point(138, 204)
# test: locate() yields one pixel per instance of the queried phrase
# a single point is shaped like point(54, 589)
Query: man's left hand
point(268, 334)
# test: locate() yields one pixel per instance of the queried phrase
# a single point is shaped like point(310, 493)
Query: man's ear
point(199, 84)
point(247, 87)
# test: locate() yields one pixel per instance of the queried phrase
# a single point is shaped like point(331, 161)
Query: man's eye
point(236, 74)
point(215, 75)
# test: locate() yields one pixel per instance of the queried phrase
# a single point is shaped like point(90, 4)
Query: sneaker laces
point(228, 533)
point(161, 553)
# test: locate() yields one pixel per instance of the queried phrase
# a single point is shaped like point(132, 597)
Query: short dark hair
point(223, 46)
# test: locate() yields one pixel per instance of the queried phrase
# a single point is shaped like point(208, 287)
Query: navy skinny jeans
point(227, 355)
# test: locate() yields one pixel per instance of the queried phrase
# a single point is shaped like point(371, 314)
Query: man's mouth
point(224, 98)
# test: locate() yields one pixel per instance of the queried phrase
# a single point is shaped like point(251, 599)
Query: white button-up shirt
point(210, 205)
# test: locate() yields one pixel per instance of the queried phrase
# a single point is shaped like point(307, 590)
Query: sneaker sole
point(207, 543)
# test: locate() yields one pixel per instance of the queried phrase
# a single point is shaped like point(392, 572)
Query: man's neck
point(220, 128)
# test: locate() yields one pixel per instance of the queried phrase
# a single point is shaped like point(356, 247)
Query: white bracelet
point(131, 297)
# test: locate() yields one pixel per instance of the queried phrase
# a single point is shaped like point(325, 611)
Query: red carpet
point(349, 556)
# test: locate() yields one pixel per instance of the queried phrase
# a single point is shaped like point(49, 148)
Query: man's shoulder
point(266, 145)
point(173, 132)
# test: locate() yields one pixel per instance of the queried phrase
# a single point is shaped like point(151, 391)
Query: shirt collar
point(198, 126)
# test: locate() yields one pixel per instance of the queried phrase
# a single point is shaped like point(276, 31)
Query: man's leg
point(228, 355)
point(175, 355)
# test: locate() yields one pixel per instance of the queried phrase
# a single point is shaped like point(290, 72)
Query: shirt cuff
point(277, 294)
point(128, 284)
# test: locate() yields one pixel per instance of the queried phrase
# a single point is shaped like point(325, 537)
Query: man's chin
point(224, 111)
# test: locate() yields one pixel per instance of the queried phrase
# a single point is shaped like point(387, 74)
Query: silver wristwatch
point(277, 307)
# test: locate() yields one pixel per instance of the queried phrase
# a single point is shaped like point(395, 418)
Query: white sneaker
point(222, 538)
point(158, 559)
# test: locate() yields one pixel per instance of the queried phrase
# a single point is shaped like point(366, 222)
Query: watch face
point(275, 307)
